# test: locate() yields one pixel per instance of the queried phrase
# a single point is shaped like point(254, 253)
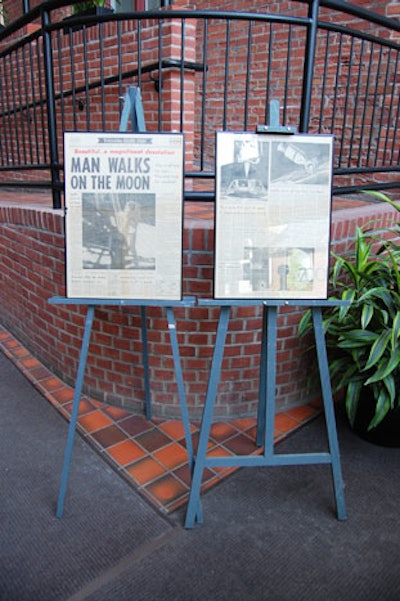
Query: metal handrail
point(363, 95)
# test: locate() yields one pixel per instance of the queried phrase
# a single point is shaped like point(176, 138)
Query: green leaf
point(395, 269)
point(362, 248)
point(305, 323)
point(357, 338)
point(342, 372)
point(367, 313)
point(384, 370)
point(391, 387)
point(348, 296)
point(378, 348)
point(342, 265)
point(395, 330)
point(381, 409)
point(377, 293)
point(352, 400)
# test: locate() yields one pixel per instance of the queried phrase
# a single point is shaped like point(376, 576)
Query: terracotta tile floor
point(150, 455)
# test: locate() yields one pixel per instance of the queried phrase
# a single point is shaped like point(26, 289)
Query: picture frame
point(272, 215)
point(124, 215)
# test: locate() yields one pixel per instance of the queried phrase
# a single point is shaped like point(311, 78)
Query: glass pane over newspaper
point(124, 208)
point(273, 210)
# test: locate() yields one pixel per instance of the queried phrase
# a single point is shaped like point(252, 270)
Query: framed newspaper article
point(273, 212)
point(124, 212)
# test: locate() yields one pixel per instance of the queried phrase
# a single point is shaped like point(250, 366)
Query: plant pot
point(386, 434)
point(94, 10)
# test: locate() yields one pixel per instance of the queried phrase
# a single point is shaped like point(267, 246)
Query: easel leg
point(270, 385)
point(193, 508)
point(179, 380)
point(329, 413)
point(75, 410)
point(266, 402)
point(145, 357)
point(262, 382)
point(181, 394)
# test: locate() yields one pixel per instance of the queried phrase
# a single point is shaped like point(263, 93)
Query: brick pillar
point(177, 91)
point(393, 12)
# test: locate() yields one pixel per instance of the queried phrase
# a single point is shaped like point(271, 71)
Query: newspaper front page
point(273, 208)
point(124, 211)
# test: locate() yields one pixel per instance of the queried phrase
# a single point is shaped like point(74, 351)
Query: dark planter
point(94, 10)
point(386, 434)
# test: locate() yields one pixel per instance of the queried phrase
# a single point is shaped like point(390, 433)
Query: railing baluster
point(72, 68)
point(139, 52)
point(24, 80)
point(61, 82)
point(336, 91)
point(372, 128)
point(343, 140)
point(391, 106)
point(248, 72)
point(309, 65)
point(286, 91)
point(4, 146)
point(103, 102)
point(119, 55)
point(362, 145)
point(385, 87)
point(226, 77)
point(14, 112)
point(18, 92)
point(160, 87)
point(51, 111)
point(269, 71)
point(182, 76)
point(204, 95)
point(324, 78)
point(396, 126)
point(87, 79)
point(41, 85)
point(356, 105)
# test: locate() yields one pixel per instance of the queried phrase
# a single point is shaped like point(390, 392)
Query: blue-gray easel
point(132, 109)
point(91, 305)
point(266, 407)
point(266, 402)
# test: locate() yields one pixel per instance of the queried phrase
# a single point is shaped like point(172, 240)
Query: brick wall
point(32, 270)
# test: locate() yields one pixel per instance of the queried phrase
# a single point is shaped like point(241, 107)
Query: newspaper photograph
point(123, 215)
point(273, 213)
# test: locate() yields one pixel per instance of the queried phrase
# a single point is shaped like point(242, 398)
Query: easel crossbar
point(262, 461)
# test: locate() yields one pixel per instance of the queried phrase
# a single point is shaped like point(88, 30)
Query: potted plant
point(363, 337)
point(84, 9)
point(90, 7)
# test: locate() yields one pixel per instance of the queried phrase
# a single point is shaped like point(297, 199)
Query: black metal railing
point(333, 67)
